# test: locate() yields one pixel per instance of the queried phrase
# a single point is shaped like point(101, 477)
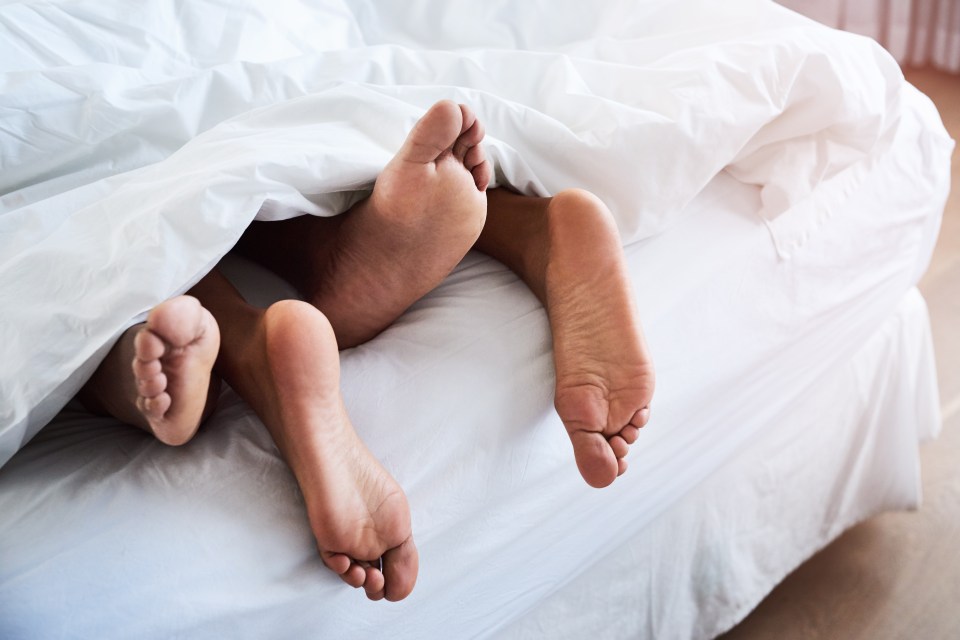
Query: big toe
point(400, 567)
point(435, 133)
point(595, 458)
point(178, 321)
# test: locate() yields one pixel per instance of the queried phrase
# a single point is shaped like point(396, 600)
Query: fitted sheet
point(107, 533)
point(844, 451)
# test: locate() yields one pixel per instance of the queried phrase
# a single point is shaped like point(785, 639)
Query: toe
point(474, 157)
point(630, 434)
point(145, 369)
point(473, 133)
point(482, 174)
point(178, 321)
point(156, 406)
point(641, 417)
point(619, 446)
point(400, 566)
point(150, 387)
point(433, 134)
point(147, 346)
point(621, 466)
point(374, 583)
point(354, 576)
point(594, 457)
point(336, 562)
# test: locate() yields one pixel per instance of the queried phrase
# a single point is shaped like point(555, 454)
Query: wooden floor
point(897, 575)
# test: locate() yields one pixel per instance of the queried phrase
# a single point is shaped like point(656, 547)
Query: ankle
point(241, 353)
point(517, 234)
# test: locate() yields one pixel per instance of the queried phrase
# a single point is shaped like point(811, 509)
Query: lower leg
point(567, 250)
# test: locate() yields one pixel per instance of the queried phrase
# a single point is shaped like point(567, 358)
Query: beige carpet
point(897, 575)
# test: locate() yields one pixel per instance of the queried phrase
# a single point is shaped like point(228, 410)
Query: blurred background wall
point(917, 32)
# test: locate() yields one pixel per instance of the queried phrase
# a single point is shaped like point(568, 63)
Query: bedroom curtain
point(916, 32)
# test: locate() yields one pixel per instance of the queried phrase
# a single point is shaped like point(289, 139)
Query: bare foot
point(567, 250)
point(436, 165)
point(173, 358)
point(158, 375)
point(362, 270)
point(605, 376)
point(357, 511)
point(426, 211)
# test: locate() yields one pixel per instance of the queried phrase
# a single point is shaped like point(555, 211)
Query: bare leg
point(158, 374)
point(568, 252)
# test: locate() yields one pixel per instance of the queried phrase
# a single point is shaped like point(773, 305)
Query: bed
point(778, 187)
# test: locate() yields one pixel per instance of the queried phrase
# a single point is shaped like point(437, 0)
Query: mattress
point(107, 533)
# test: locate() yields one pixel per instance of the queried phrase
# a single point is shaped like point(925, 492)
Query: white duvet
point(138, 140)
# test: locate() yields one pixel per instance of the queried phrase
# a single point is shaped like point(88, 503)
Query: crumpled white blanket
point(138, 140)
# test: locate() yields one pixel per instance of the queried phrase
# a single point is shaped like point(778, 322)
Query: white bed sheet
point(105, 533)
point(844, 451)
